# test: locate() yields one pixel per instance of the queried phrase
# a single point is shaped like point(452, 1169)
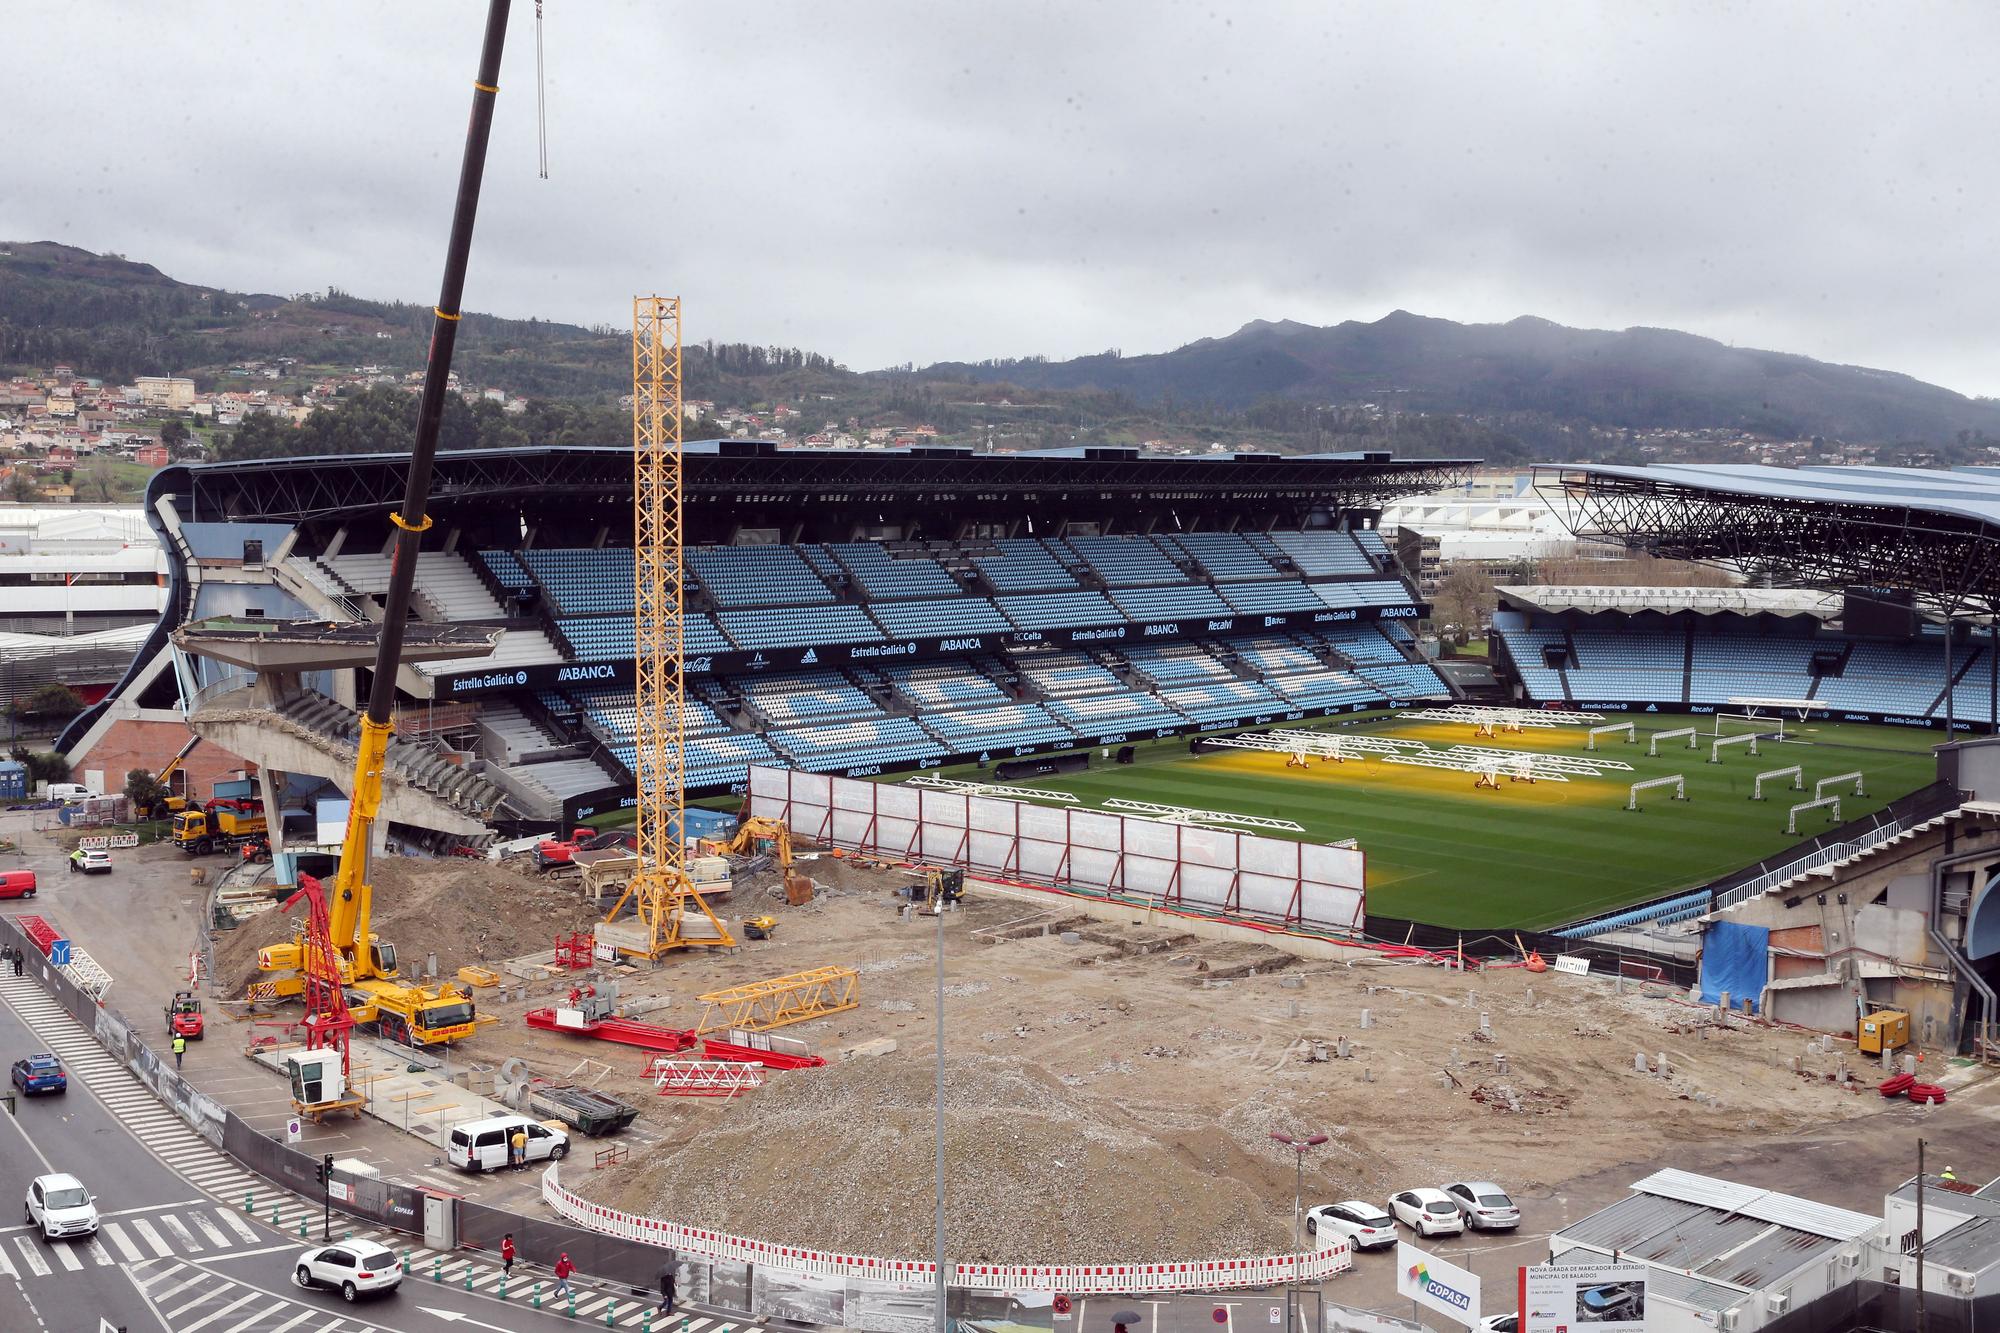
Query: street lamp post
point(1300, 1146)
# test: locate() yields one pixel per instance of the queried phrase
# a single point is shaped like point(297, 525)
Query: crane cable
point(541, 97)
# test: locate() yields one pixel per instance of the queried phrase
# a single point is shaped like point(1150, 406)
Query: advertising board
point(1599, 1298)
point(1435, 1285)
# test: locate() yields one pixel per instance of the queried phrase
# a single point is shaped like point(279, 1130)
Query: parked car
point(481, 1145)
point(40, 1073)
point(95, 861)
point(1428, 1212)
point(1500, 1323)
point(1367, 1226)
point(61, 1206)
point(354, 1268)
point(1485, 1205)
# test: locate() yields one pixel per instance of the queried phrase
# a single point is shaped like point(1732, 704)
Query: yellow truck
point(227, 822)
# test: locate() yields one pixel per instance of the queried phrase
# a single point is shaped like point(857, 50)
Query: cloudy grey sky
point(890, 182)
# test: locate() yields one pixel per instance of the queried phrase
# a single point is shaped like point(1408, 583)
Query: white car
point(1428, 1212)
point(354, 1268)
point(1367, 1226)
point(1485, 1205)
point(61, 1206)
point(1500, 1323)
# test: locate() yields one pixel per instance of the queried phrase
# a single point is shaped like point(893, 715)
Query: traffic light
point(324, 1171)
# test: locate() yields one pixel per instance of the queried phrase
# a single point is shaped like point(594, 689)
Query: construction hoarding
point(1207, 870)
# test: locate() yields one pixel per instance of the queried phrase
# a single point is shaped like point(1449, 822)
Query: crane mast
point(660, 888)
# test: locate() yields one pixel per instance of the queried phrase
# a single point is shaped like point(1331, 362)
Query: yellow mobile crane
point(660, 890)
point(407, 1012)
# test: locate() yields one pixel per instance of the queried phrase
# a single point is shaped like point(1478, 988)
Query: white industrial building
point(1724, 1256)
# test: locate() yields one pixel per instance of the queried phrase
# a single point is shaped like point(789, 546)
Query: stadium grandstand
point(857, 612)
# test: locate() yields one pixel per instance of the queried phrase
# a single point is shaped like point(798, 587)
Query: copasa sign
point(1436, 1285)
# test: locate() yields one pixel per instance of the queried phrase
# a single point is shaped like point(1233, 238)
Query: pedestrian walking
point(667, 1287)
point(180, 1049)
point(517, 1148)
point(17, 962)
point(507, 1255)
point(563, 1269)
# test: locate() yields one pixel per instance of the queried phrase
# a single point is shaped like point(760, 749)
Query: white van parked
point(68, 792)
point(481, 1145)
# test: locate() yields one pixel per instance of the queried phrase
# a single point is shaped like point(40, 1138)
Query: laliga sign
point(1436, 1285)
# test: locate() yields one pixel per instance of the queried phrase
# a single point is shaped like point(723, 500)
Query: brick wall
point(131, 744)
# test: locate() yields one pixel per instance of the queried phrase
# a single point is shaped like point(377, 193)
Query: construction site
point(1094, 1066)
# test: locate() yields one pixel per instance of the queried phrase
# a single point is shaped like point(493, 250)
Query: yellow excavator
point(760, 836)
point(404, 1011)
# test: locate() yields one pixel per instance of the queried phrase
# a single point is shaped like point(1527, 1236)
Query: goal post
point(1819, 788)
point(1792, 823)
point(1715, 750)
point(1630, 729)
point(1653, 746)
point(1795, 773)
point(1678, 782)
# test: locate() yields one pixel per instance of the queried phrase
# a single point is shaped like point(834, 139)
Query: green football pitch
point(1528, 855)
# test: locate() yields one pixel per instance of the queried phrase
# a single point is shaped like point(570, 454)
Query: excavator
point(362, 965)
point(759, 835)
point(169, 803)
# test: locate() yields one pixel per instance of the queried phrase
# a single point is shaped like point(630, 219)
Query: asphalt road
point(171, 1259)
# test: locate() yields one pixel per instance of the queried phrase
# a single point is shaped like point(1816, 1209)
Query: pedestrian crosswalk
point(168, 1249)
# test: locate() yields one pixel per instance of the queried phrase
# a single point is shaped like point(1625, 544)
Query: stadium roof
point(1933, 532)
point(1704, 601)
point(737, 483)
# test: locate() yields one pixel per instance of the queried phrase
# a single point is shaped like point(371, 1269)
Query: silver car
point(1485, 1205)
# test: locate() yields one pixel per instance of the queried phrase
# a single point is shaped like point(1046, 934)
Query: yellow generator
point(1883, 1030)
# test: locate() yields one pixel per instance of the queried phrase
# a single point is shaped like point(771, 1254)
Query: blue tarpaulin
point(1736, 959)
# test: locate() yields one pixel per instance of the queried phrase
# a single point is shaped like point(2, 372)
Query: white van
point(67, 792)
point(481, 1145)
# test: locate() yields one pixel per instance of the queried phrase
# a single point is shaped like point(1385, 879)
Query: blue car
point(40, 1073)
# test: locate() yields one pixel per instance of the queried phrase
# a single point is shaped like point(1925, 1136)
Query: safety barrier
point(1334, 1256)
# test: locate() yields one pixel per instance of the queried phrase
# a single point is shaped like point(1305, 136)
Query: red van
point(17, 883)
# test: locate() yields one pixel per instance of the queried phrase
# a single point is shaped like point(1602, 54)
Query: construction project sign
point(1436, 1285)
point(1599, 1298)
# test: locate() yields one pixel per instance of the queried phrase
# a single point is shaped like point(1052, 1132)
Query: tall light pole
point(1300, 1146)
point(942, 1321)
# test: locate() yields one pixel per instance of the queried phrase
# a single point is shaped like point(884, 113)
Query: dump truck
point(224, 822)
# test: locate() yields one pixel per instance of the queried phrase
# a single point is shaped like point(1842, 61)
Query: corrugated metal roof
point(1779, 1253)
point(1971, 1247)
point(1631, 1221)
point(1697, 1241)
point(1691, 1188)
point(1785, 1209)
point(1666, 1284)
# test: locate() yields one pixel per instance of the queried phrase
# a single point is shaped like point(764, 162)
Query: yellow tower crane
point(659, 889)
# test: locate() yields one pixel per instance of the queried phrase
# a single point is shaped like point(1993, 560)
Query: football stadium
point(1135, 648)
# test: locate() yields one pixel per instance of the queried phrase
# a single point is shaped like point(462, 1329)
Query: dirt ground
point(1113, 1098)
point(465, 911)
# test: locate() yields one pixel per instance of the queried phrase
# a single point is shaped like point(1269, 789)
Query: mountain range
point(1633, 378)
point(1530, 380)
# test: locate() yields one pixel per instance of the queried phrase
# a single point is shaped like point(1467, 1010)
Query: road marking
point(6, 1265)
point(199, 1275)
point(181, 1233)
point(98, 1254)
point(67, 1255)
point(298, 1318)
point(210, 1230)
point(203, 1297)
point(34, 1260)
point(124, 1243)
point(152, 1238)
point(158, 1277)
point(236, 1304)
point(238, 1225)
point(252, 1254)
point(266, 1313)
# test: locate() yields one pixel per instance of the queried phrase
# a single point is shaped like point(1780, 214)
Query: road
point(178, 1253)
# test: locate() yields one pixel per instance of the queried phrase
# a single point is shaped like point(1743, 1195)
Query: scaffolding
point(763, 1005)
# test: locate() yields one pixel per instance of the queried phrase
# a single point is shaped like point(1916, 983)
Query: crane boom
point(414, 1013)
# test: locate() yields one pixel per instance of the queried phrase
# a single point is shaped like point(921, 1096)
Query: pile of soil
point(465, 911)
point(1034, 1171)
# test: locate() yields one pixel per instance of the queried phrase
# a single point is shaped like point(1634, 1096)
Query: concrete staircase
point(467, 793)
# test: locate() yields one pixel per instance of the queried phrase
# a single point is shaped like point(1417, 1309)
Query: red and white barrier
point(1333, 1256)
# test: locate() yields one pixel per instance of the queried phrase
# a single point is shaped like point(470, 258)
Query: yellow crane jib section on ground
point(763, 1005)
